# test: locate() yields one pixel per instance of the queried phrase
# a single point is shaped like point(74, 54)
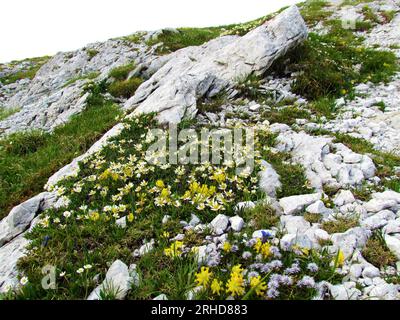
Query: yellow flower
point(237, 269)
point(160, 184)
point(263, 248)
point(340, 258)
point(216, 286)
point(260, 286)
point(165, 234)
point(94, 215)
point(131, 217)
point(235, 284)
point(227, 246)
point(203, 277)
point(302, 251)
point(128, 171)
point(215, 206)
point(107, 173)
point(165, 193)
point(175, 250)
point(218, 177)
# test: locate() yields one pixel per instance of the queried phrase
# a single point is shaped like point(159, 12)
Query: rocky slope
point(318, 218)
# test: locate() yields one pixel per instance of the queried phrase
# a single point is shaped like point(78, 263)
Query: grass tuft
point(377, 252)
point(340, 224)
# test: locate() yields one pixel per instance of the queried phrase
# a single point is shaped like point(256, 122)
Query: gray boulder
point(118, 282)
point(203, 71)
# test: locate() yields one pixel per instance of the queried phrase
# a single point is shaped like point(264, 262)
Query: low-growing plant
point(92, 53)
point(262, 216)
point(325, 64)
point(324, 106)
point(314, 11)
point(312, 217)
point(287, 114)
point(213, 104)
point(377, 252)
point(5, 113)
point(24, 143)
point(121, 73)
point(340, 224)
point(88, 76)
point(173, 40)
point(124, 89)
point(388, 15)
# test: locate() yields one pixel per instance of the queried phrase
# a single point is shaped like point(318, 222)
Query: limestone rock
point(269, 180)
point(118, 282)
point(237, 223)
point(394, 245)
point(9, 256)
point(220, 223)
point(203, 71)
point(294, 204)
point(21, 216)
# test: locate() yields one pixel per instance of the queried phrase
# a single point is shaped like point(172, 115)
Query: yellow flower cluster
point(258, 285)
point(262, 248)
point(235, 285)
point(175, 250)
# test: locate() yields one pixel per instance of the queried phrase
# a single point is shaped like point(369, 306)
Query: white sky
point(30, 28)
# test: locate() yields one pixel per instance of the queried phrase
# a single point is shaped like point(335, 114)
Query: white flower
point(24, 280)
point(80, 270)
point(8, 288)
point(87, 266)
point(67, 214)
point(62, 274)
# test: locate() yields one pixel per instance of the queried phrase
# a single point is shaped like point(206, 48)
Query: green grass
point(121, 73)
point(288, 114)
point(173, 277)
point(28, 73)
point(122, 87)
point(27, 160)
point(312, 217)
point(185, 37)
point(355, 2)
point(314, 11)
point(89, 76)
point(262, 216)
point(388, 15)
point(213, 104)
point(381, 106)
point(5, 113)
point(292, 176)
point(324, 106)
point(125, 88)
point(92, 53)
point(326, 64)
point(370, 15)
